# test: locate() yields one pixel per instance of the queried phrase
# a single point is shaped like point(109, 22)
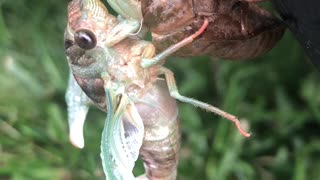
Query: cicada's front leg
point(78, 106)
point(125, 28)
point(130, 15)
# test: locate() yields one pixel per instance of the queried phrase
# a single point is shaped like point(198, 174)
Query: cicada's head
point(88, 20)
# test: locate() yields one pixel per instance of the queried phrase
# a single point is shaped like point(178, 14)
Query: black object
point(85, 39)
point(303, 18)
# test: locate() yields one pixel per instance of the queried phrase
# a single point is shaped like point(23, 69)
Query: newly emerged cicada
point(110, 68)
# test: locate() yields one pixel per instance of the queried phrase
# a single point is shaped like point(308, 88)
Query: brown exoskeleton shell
point(237, 29)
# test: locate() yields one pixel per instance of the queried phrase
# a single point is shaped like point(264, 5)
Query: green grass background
point(277, 95)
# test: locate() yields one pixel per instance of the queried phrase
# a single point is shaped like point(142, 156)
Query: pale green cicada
point(115, 69)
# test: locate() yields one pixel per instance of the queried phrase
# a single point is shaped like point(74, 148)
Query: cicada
point(106, 57)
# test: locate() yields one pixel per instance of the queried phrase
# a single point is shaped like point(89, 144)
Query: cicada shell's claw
point(78, 106)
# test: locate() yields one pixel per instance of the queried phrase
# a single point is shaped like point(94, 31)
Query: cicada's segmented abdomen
point(161, 144)
point(263, 43)
point(247, 48)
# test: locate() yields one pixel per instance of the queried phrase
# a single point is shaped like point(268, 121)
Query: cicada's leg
point(146, 48)
point(174, 93)
point(125, 28)
point(129, 9)
point(161, 144)
point(78, 106)
point(149, 62)
point(130, 18)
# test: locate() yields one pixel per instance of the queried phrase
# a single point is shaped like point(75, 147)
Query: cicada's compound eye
point(85, 39)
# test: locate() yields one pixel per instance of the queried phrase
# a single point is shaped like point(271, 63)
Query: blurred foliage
point(277, 95)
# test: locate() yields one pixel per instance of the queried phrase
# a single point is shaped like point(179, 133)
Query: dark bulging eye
point(85, 39)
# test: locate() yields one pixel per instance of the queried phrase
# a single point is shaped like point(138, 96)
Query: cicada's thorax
point(125, 65)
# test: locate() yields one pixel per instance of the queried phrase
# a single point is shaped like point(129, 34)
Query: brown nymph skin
point(237, 29)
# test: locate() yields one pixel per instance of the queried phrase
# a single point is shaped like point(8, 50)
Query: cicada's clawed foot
point(145, 63)
point(236, 121)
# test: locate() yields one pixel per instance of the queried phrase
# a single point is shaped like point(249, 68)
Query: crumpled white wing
point(78, 106)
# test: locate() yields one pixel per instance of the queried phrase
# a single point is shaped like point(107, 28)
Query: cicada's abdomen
point(161, 144)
